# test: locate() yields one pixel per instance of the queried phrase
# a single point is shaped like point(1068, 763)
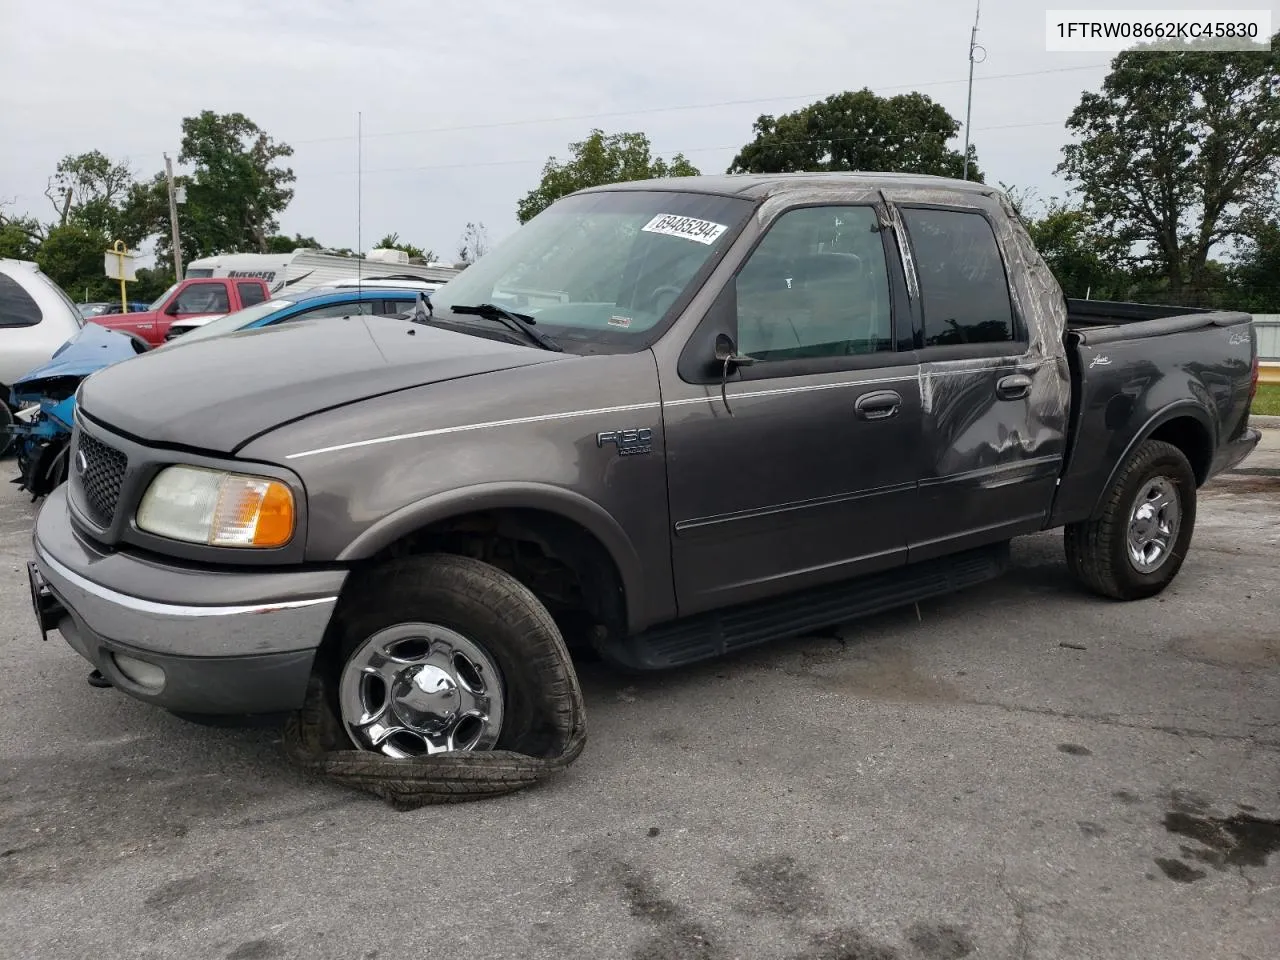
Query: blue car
point(307, 305)
point(45, 397)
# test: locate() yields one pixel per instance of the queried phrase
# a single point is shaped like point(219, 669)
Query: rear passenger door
point(989, 465)
point(808, 476)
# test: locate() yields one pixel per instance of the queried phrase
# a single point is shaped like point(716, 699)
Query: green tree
point(150, 284)
point(1082, 258)
point(279, 243)
point(1254, 276)
point(1178, 153)
point(19, 237)
point(907, 133)
point(71, 256)
point(235, 191)
point(600, 159)
point(90, 190)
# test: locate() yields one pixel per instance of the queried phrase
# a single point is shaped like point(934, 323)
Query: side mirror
point(727, 352)
point(172, 309)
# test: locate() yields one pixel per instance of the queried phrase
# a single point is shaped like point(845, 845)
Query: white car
point(36, 318)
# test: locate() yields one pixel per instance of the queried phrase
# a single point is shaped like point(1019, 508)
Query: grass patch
point(1267, 402)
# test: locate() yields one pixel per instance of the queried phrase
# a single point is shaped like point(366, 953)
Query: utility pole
point(359, 196)
point(173, 220)
point(968, 110)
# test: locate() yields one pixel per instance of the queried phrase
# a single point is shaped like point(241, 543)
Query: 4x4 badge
point(628, 442)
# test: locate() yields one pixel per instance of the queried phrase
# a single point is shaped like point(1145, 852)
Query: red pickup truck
point(187, 298)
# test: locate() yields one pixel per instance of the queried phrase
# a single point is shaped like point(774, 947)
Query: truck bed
point(1107, 321)
point(1137, 370)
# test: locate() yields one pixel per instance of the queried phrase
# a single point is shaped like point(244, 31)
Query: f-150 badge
point(628, 442)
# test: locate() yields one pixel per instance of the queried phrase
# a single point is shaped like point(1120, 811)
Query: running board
point(713, 634)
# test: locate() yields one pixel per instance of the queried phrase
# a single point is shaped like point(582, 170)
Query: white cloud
point(119, 77)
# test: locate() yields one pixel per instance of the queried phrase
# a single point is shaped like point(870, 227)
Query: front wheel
point(1136, 546)
point(6, 421)
point(450, 680)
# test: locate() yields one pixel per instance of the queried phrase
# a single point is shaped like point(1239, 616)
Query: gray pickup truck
point(664, 421)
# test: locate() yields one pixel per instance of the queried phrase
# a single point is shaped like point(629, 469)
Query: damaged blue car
point(45, 398)
point(45, 403)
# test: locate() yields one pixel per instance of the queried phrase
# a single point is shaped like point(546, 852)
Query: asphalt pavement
point(1021, 771)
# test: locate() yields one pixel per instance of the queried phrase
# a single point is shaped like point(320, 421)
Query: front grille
point(99, 470)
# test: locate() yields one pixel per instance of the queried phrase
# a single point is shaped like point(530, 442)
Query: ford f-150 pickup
point(668, 419)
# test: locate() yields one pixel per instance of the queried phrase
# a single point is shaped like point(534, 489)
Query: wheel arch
point(1185, 425)
point(570, 526)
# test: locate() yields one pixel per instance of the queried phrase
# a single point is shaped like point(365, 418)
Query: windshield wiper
point(518, 322)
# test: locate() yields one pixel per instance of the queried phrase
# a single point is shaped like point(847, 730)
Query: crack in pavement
point(1112, 720)
point(1022, 945)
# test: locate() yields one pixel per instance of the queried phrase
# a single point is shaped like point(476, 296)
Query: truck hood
point(217, 394)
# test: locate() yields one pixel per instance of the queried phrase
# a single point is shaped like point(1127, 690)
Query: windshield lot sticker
point(619, 321)
point(699, 231)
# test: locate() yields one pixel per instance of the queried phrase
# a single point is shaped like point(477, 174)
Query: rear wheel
point(1136, 546)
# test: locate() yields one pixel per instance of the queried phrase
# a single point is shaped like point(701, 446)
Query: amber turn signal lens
point(252, 512)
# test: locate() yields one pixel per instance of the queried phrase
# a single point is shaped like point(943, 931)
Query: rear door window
point(250, 293)
point(17, 308)
point(963, 285)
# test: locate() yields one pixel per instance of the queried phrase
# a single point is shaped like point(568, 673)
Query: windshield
point(600, 266)
point(163, 297)
point(234, 321)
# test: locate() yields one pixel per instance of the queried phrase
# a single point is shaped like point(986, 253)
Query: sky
point(461, 102)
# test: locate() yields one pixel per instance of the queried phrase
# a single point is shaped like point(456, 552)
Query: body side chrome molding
point(463, 428)
point(649, 405)
point(170, 609)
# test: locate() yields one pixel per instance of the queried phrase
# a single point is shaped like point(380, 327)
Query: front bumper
point(187, 639)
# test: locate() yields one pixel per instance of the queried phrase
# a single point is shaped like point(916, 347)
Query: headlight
point(218, 508)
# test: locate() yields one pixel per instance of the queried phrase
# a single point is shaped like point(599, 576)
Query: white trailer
point(306, 268)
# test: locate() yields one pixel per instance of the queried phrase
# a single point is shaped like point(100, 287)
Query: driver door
point(808, 474)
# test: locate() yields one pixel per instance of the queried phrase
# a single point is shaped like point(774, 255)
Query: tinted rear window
point(962, 278)
point(250, 293)
point(17, 309)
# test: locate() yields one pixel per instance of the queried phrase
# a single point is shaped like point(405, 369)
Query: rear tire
point(1136, 546)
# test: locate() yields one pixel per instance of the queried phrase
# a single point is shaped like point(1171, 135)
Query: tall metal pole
point(968, 110)
point(173, 220)
point(359, 196)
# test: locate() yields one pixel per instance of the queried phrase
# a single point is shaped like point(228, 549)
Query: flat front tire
point(446, 680)
point(1136, 545)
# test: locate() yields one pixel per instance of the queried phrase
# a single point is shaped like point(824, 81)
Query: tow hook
point(96, 679)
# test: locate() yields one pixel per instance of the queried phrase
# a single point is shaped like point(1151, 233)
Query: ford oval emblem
point(82, 462)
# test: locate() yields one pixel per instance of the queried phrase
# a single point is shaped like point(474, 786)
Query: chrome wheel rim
point(1154, 521)
point(417, 689)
